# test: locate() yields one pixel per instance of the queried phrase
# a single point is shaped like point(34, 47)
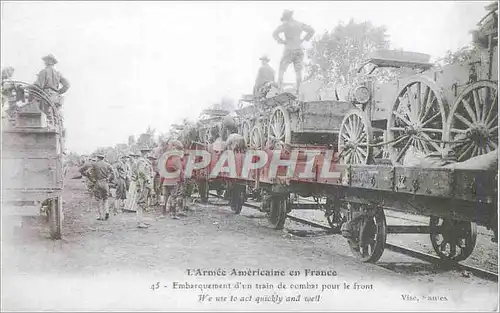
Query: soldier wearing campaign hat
point(52, 82)
point(265, 76)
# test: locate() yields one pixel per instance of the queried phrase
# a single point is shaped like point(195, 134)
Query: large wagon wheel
point(245, 130)
point(370, 235)
point(279, 130)
point(355, 138)
point(256, 137)
point(452, 240)
point(278, 211)
point(473, 121)
point(417, 120)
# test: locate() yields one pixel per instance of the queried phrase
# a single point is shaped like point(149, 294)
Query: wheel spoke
point(466, 152)
point(428, 104)
point(463, 120)
point(431, 141)
point(495, 117)
point(430, 119)
point(418, 107)
point(493, 144)
point(401, 117)
point(461, 131)
point(363, 152)
point(406, 146)
point(492, 105)
point(431, 130)
point(469, 110)
point(397, 129)
point(477, 104)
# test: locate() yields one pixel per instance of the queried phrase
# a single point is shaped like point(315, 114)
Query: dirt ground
point(113, 265)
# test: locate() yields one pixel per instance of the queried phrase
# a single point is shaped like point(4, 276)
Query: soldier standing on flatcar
point(103, 174)
point(265, 75)
point(293, 52)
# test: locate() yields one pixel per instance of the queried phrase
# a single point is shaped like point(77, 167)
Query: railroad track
point(484, 274)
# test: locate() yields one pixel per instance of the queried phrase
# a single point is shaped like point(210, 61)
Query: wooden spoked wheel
point(370, 235)
point(279, 131)
point(256, 137)
point(416, 122)
point(452, 240)
point(277, 213)
point(472, 125)
point(354, 139)
point(245, 130)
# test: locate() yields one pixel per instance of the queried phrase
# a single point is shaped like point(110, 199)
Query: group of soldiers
point(136, 182)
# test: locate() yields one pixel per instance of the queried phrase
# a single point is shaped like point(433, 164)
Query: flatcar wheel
point(452, 240)
point(354, 139)
point(473, 121)
point(417, 121)
point(245, 130)
point(371, 233)
point(278, 211)
point(279, 130)
point(256, 138)
point(55, 217)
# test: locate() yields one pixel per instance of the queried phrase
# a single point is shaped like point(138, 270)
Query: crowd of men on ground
point(136, 183)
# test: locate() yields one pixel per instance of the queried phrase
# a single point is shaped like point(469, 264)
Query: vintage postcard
point(249, 156)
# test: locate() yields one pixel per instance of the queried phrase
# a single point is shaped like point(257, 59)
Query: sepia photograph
point(250, 156)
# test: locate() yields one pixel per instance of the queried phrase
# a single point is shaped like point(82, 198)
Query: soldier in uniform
point(51, 82)
point(122, 176)
point(173, 188)
point(265, 76)
point(87, 171)
point(293, 52)
point(130, 203)
point(103, 174)
point(156, 191)
point(144, 180)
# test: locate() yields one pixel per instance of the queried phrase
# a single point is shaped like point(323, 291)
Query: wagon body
point(32, 163)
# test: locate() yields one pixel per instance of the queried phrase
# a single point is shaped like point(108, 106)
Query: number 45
point(155, 286)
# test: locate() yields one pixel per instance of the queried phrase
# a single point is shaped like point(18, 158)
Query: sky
point(137, 64)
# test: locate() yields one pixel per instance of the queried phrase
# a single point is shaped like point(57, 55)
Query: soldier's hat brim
point(50, 57)
point(100, 156)
point(264, 58)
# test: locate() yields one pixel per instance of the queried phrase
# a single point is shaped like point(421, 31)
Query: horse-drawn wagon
point(32, 155)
